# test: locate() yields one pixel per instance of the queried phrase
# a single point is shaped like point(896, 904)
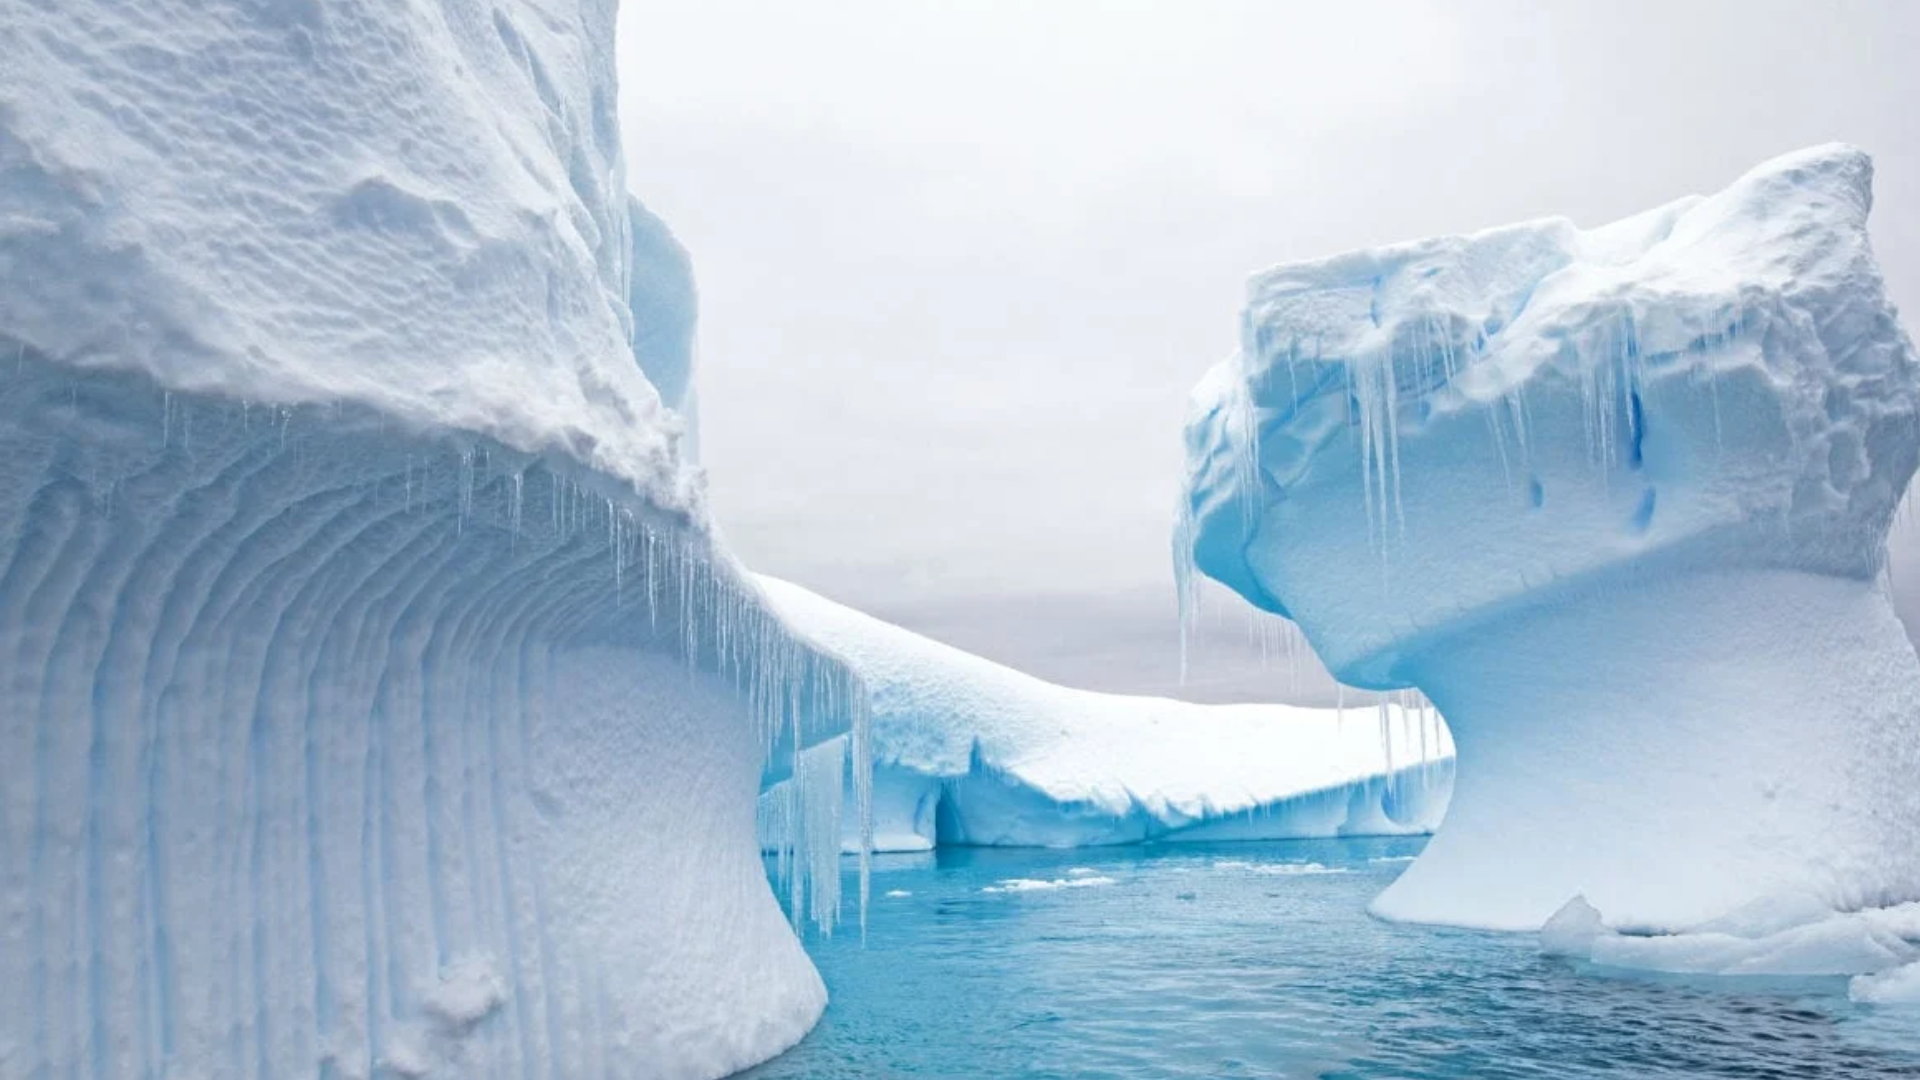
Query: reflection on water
point(1258, 960)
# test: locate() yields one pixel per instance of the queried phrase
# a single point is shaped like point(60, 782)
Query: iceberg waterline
point(376, 696)
point(1616, 500)
point(966, 751)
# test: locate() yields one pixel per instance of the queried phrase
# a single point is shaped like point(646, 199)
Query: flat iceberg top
point(1720, 380)
point(941, 712)
point(366, 202)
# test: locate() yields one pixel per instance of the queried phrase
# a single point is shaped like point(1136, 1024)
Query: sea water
point(1259, 960)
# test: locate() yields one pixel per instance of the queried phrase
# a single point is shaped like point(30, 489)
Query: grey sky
point(960, 262)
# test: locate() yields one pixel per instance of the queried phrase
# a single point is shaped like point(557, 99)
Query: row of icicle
point(725, 627)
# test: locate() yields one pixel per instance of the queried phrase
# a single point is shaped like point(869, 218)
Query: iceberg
point(1616, 500)
point(967, 751)
point(375, 696)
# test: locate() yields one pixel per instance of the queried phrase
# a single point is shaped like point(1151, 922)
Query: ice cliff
point(967, 751)
point(1616, 500)
point(374, 698)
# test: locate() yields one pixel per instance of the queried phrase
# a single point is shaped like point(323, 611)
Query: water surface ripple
point(1259, 961)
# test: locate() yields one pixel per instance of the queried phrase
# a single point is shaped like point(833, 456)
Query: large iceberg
point(1616, 500)
point(966, 751)
point(374, 696)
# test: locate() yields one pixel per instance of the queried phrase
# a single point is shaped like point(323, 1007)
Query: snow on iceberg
point(375, 696)
point(967, 751)
point(1616, 500)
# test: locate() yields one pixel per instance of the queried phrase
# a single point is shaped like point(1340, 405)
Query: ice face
point(1600, 494)
point(665, 307)
point(302, 713)
point(376, 698)
point(967, 751)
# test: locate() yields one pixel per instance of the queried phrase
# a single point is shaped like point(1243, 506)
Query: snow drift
point(969, 752)
point(376, 700)
point(1616, 501)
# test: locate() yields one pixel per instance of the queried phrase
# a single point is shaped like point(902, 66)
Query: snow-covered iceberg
point(374, 698)
point(967, 751)
point(1616, 500)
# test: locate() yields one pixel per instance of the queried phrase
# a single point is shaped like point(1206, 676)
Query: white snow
point(1616, 501)
point(469, 991)
point(968, 751)
point(383, 203)
point(376, 694)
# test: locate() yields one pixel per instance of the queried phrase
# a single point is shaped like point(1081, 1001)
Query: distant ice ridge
point(969, 752)
point(374, 697)
point(1616, 500)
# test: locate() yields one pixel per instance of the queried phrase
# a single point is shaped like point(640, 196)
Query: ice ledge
point(1616, 500)
point(1417, 436)
point(970, 752)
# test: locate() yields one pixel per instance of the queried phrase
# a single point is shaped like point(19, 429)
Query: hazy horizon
point(959, 264)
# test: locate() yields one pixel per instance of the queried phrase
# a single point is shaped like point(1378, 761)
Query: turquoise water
point(1259, 961)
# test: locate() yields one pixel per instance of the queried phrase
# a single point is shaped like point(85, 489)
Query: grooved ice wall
point(374, 699)
point(330, 749)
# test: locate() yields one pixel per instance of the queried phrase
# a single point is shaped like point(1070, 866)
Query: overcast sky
point(959, 263)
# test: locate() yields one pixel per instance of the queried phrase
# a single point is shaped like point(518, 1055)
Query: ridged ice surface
point(966, 751)
point(374, 699)
point(312, 727)
point(1616, 500)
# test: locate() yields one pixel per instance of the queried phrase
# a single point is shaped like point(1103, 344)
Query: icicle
point(1186, 580)
point(653, 623)
point(513, 509)
point(819, 781)
point(463, 495)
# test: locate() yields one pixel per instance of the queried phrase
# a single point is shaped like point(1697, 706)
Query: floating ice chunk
point(1016, 885)
point(1278, 869)
point(1572, 930)
point(1774, 936)
point(1839, 945)
point(1899, 986)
